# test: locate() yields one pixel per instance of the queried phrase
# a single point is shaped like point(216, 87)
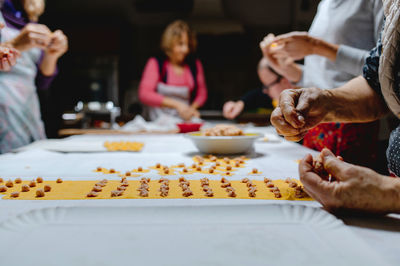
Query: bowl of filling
point(223, 139)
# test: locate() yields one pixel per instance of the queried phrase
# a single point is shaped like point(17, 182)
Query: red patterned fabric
point(356, 143)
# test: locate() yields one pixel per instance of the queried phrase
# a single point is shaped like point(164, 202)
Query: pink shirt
point(151, 77)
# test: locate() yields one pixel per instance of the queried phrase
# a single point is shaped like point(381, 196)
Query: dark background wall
point(110, 42)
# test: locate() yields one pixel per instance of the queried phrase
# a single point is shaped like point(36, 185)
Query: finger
point(6, 65)
point(287, 103)
point(334, 166)
point(313, 182)
point(281, 125)
point(296, 138)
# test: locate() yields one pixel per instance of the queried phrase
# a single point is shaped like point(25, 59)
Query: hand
point(295, 45)
point(232, 109)
point(8, 58)
point(58, 44)
point(283, 65)
point(32, 36)
point(356, 188)
point(186, 112)
point(298, 111)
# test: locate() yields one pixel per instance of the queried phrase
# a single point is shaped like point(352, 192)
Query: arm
point(148, 85)
point(201, 96)
point(256, 99)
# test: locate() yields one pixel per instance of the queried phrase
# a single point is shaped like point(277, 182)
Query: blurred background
point(110, 42)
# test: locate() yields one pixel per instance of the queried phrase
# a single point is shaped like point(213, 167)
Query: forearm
point(325, 49)
point(48, 65)
point(354, 102)
point(391, 189)
point(293, 72)
point(170, 103)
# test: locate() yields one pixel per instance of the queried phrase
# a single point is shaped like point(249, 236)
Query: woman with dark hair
point(20, 118)
point(174, 83)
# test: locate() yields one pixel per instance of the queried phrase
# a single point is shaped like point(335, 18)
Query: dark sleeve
point(371, 66)
point(256, 99)
point(43, 82)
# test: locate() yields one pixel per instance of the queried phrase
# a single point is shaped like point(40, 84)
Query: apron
point(20, 118)
point(179, 93)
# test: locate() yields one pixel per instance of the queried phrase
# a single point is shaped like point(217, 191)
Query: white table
point(276, 159)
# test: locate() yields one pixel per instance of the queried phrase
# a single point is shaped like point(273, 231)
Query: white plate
point(223, 145)
point(185, 235)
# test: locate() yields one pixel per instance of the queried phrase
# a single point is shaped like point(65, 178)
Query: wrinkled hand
point(32, 36)
point(355, 189)
point(232, 109)
point(8, 58)
point(187, 112)
point(58, 44)
point(295, 45)
point(298, 111)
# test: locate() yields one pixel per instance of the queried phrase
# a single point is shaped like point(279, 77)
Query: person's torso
point(346, 22)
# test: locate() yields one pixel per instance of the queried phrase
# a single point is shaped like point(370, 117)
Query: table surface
point(277, 160)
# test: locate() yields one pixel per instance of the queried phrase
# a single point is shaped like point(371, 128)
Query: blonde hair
point(173, 32)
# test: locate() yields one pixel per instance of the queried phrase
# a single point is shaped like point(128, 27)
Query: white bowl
point(223, 145)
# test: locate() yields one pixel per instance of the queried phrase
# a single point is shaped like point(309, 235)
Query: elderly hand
point(232, 109)
point(58, 44)
point(296, 45)
point(355, 188)
point(32, 36)
point(298, 111)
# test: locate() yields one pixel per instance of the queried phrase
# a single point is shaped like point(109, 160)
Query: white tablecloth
point(276, 160)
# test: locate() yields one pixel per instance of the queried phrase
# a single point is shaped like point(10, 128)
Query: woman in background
point(20, 118)
point(174, 83)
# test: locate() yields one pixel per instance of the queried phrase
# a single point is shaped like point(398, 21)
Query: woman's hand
point(284, 65)
point(186, 112)
point(8, 58)
point(355, 188)
point(58, 45)
point(298, 111)
point(32, 36)
point(232, 109)
point(296, 45)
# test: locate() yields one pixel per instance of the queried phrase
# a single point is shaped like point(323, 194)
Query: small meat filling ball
point(25, 188)
point(47, 188)
point(14, 195)
point(140, 169)
point(245, 180)
point(1, 180)
point(18, 181)
point(39, 180)
point(211, 171)
point(99, 169)
point(97, 188)
point(128, 173)
point(187, 193)
point(158, 165)
point(91, 194)
point(112, 171)
point(209, 193)
point(116, 193)
point(255, 171)
point(59, 180)
point(32, 183)
point(9, 183)
point(3, 189)
point(39, 193)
